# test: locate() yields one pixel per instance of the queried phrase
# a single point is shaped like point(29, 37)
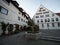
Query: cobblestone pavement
point(18, 39)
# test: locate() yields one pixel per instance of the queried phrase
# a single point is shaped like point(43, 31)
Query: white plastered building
point(11, 13)
point(46, 19)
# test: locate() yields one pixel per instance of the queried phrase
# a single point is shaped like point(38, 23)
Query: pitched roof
point(58, 14)
point(42, 8)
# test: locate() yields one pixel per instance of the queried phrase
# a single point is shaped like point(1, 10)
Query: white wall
point(13, 14)
point(45, 23)
point(12, 17)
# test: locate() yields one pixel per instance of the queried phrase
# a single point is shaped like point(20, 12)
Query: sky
point(31, 6)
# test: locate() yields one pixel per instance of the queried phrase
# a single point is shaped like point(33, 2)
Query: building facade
point(46, 19)
point(11, 13)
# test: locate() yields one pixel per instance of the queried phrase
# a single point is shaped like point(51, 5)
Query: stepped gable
point(42, 10)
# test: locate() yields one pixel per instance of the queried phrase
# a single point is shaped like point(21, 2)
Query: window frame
point(4, 9)
point(48, 20)
point(18, 18)
point(52, 19)
point(57, 19)
point(41, 20)
point(45, 20)
point(47, 24)
point(52, 14)
point(42, 25)
point(41, 16)
point(58, 24)
point(37, 16)
point(22, 19)
point(38, 21)
point(53, 25)
point(47, 15)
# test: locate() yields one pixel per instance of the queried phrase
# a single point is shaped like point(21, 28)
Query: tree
point(24, 28)
point(16, 28)
point(30, 23)
point(36, 28)
point(4, 27)
point(10, 29)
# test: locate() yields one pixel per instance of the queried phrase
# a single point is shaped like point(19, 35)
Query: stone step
point(51, 38)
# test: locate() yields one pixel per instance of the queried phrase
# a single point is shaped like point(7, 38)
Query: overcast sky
point(31, 6)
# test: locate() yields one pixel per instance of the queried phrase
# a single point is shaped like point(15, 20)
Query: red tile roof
point(58, 14)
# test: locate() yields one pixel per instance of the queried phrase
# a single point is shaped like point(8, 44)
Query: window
point(45, 12)
point(38, 21)
point(37, 16)
point(0, 8)
point(41, 8)
point(26, 21)
point(41, 20)
point(19, 18)
point(47, 24)
point(3, 10)
point(45, 20)
point(48, 20)
point(52, 24)
point(57, 19)
point(52, 14)
point(19, 12)
point(42, 25)
point(52, 19)
point(38, 13)
point(58, 24)
point(7, 1)
point(47, 15)
point(41, 15)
